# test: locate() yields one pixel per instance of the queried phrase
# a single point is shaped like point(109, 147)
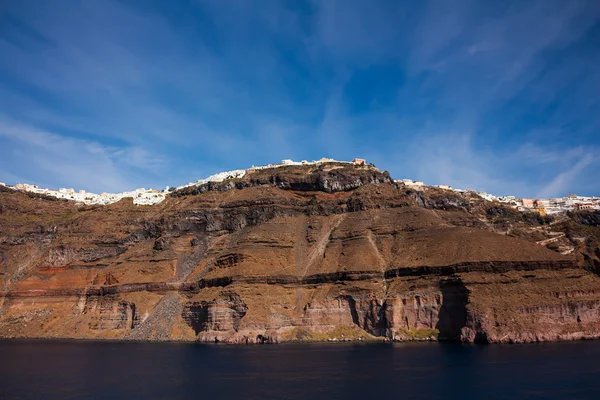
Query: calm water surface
point(101, 370)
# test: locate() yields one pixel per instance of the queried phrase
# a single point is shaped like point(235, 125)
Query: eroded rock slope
point(332, 252)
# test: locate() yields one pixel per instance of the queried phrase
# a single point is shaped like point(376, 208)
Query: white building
point(487, 196)
point(411, 183)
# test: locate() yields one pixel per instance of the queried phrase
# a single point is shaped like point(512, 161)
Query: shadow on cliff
point(453, 312)
point(197, 317)
point(352, 305)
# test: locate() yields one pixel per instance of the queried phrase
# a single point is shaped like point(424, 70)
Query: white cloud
point(564, 180)
point(39, 156)
point(453, 159)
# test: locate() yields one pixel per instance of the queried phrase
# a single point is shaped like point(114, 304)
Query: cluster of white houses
point(150, 196)
point(140, 196)
point(555, 205)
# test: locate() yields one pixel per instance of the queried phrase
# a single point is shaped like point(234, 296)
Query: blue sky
point(110, 95)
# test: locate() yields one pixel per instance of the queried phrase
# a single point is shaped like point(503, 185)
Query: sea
point(124, 370)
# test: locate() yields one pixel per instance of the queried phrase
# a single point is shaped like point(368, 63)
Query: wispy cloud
point(497, 96)
point(454, 159)
point(564, 180)
point(39, 156)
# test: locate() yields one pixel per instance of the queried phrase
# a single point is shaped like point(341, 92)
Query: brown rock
point(161, 243)
point(333, 252)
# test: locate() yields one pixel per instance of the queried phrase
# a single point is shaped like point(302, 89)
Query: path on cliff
point(555, 222)
point(551, 240)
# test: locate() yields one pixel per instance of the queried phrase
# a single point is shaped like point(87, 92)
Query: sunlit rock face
point(329, 251)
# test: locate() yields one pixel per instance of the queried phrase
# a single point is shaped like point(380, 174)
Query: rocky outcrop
point(111, 313)
point(332, 177)
point(222, 314)
point(161, 243)
point(62, 256)
point(590, 218)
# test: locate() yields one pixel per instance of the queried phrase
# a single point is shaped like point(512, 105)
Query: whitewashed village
point(144, 196)
point(571, 202)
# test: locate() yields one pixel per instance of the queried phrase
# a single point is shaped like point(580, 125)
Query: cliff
point(322, 252)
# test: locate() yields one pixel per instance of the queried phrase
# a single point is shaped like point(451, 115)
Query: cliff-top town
point(144, 196)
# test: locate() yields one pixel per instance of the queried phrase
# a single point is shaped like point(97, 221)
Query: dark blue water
point(106, 370)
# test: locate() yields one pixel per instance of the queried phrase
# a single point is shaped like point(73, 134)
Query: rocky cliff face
point(333, 252)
